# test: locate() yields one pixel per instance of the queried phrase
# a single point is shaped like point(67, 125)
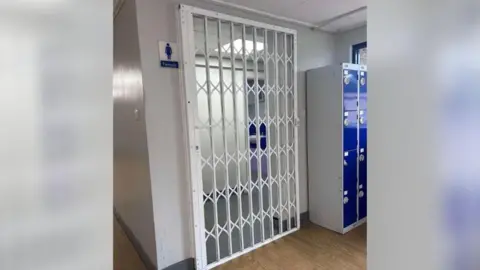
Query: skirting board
point(187, 264)
point(355, 225)
point(136, 244)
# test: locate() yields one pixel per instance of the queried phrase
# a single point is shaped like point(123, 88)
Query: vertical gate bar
point(267, 127)
point(225, 147)
point(277, 105)
point(287, 169)
point(212, 143)
point(257, 127)
point(247, 119)
point(189, 96)
point(237, 142)
point(295, 111)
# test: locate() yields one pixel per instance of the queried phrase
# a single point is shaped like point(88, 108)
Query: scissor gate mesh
point(240, 82)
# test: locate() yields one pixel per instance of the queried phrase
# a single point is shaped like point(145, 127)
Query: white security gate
point(241, 104)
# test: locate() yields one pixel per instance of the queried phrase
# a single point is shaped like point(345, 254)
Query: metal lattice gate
point(241, 100)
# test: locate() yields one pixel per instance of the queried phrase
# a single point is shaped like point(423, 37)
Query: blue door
point(349, 188)
point(350, 99)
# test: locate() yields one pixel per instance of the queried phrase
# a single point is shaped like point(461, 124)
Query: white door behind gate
point(241, 103)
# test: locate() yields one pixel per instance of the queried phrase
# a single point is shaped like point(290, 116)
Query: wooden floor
point(310, 248)
point(124, 255)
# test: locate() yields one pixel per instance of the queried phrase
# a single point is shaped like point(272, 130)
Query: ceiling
point(327, 15)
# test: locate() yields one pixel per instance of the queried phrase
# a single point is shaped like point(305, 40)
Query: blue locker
point(337, 192)
point(350, 110)
point(349, 188)
point(362, 183)
point(362, 146)
point(350, 145)
point(252, 131)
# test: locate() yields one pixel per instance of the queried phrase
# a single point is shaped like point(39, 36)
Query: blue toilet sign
point(168, 51)
point(168, 54)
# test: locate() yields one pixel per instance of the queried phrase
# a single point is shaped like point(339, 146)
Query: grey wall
point(344, 42)
point(132, 187)
point(166, 142)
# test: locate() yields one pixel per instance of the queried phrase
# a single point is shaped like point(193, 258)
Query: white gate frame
point(189, 97)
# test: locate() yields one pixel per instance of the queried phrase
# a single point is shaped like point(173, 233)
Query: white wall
point(344, 42)
point(157, 21)
point(56, 136)
point(132, 186)
point(423, 167)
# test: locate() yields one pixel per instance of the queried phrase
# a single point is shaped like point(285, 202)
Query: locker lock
point(346, 80)
point(361, 194)
point(346, 122)
point(362, 81)
point(345, 200)
point(362, 120)
point(361, 157)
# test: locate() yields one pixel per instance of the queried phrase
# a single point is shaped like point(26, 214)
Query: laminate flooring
point(310, 248)
point(125, 257)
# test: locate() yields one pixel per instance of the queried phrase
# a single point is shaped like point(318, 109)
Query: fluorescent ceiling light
point(238, 46)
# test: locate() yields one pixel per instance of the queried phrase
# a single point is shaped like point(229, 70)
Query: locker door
point(350, 111)
point(362, 156)
point(349, 188)
point(362, 182)
point(350, 127)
